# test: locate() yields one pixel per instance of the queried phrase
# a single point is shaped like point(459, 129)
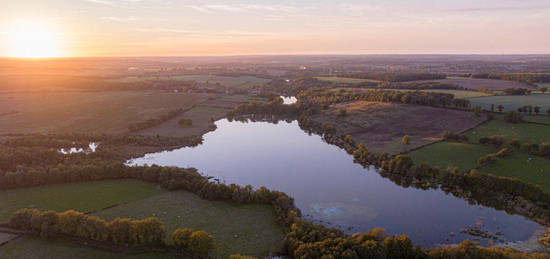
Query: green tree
point(406, 140)
point(201, 243)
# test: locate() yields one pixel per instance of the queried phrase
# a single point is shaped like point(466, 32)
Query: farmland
point(476, 84)
point(136, 199)
point(545, 119)
point(85, 197)
point(445, 154)
point(248, 229)
point(460, 94)
point(382, 125)
point(522, 131)
point(105, 112)
point(512, 103)
point(202, 117)
point(528, 168)
point(239, 82)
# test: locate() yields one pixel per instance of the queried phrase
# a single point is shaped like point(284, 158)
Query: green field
point(537, 119)
point(461, 94)
point(240, 82)
point(445, 154)
point(89, 196)
point(105, 112)
point(345, 80)
point(512, 103)
point(34, 247)
point(245, 229)
point(525, 167)
point(458, 93)
point(523, 131)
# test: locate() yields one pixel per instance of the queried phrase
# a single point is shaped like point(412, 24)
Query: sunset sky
point(218, 27)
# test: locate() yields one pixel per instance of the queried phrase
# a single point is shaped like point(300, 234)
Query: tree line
point(395, 76)
point(322, 97)
point(121, 232)
point(152, 122)
point(530, 78)
point(537, 149)
point(42, 151)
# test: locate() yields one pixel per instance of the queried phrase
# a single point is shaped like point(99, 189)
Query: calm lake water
point(329, 187)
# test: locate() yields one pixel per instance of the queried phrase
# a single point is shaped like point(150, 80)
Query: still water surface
point(329, 187)
point(289, 99)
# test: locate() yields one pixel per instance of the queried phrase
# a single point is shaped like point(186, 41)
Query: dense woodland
point(530, 78)
point(321, 97)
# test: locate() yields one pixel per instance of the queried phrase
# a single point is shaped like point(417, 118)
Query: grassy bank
point(245, 229)
point(523, 131)
point(525, 167)
point(445, 154)
point(89, 196)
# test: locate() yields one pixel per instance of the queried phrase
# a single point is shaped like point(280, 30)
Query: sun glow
point(33, 39)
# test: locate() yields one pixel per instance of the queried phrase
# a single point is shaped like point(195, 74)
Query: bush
point(185, 123)
point(146, 232)
point(512, 117)
point(453, 137)
point(196, 242)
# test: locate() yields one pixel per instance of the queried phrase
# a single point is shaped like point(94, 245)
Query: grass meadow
point(445, 154)
point(513, 102)
point(104, 112)
point(246, 229)
point(85, 197)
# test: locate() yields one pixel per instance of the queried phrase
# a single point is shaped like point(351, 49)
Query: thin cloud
point(501, 9)
point(209, 8)
point(101, 2)
point(119, 19)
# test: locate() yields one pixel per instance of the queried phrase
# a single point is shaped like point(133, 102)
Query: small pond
point(90, 149)
point(330, 188)
point(289, 99)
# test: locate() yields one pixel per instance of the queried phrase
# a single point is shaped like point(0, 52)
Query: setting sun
point(32, 39)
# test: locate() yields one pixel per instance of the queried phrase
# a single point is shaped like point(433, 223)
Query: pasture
point(460, 94)
point(512, 103)
point(238, 82)
point(246, 229)
point(85, 197)
point(445, 154)
point(537, 119)
point(476, 84)
point(525, 132)
point(527, 168)
point(103, 112)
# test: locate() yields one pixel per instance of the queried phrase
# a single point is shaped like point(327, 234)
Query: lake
point(331, 189)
